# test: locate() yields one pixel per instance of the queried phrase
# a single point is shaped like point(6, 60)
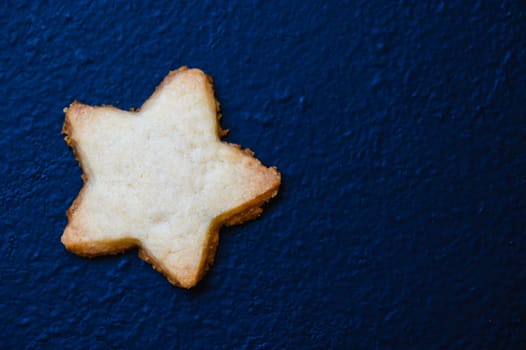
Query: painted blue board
point(400, 131)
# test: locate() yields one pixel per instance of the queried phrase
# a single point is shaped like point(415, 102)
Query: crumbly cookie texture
point(160, 178)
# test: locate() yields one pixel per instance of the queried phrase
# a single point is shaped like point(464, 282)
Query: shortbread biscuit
point(160, 179)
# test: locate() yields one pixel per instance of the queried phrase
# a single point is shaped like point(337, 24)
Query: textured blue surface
point(400, 131)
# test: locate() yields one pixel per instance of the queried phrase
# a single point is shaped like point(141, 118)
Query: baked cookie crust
point(159, 178)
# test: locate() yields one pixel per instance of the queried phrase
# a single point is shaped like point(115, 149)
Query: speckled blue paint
point(400, 130)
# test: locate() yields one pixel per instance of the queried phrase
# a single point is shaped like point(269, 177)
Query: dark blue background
point(398, 126)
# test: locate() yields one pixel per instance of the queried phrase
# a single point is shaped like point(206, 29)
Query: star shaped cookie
point(161, 179)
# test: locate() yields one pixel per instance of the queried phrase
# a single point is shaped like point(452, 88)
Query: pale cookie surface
point(161, 179)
